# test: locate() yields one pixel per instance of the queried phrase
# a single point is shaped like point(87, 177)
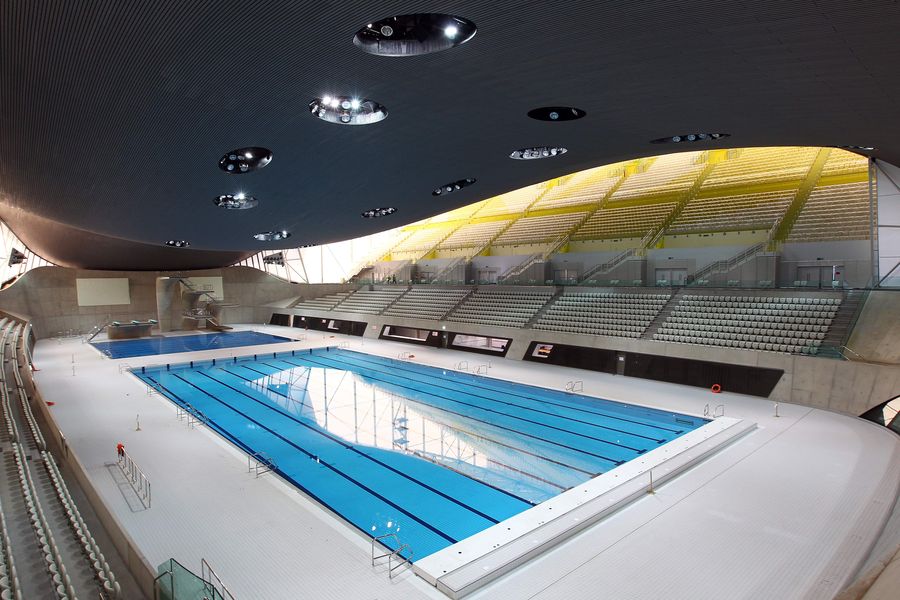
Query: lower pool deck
point(788, 511)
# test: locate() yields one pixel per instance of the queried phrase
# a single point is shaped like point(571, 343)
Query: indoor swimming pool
point(431, 455)
point(185, 343)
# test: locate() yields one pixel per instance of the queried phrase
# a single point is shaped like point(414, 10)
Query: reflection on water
point(369, 414)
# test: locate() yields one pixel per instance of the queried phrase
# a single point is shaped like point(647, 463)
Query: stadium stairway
point(559, 291)
point(839, 331)
point(664, 313)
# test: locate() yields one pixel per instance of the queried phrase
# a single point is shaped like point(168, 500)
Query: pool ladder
point(393, 554)
point(260, 462)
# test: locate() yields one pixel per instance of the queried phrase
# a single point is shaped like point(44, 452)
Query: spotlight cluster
point(178, 243)
point(271, 236)
point(690, 137)
point(449, 188)
point(374, 213)
point(347, 110)
point(414, 35)
point(244, 160)
point(537, 152)
point(238, 201)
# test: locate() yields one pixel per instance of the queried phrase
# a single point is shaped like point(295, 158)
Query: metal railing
point(212, 582)
point(393, 554)
point(575, 386)
point(261, 463)
point(139, 481)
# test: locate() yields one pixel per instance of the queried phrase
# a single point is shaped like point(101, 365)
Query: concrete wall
point(876, 336)
point(842, 386)
point(854, 255)
point(47, 295)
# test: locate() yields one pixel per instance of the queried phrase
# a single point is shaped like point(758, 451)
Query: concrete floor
point(789, 511)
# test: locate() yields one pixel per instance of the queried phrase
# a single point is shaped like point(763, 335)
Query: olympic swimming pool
point(391, 446)
point(185, 343)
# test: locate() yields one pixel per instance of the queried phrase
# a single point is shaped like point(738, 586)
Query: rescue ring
point(716, 388)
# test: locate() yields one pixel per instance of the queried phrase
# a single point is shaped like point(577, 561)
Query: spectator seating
point(834, 212)
point(322, 302)
point(420, 241)
point(501, 307)
point(629, 221)
point(427, 302)
point(841, 162)
point(534, 230)
point(737, 212)
point(584, 187)
point(771, 323)
point(666, 175)
point(370, 301)
point(758, 165)
point(474, 235)
point(602, 313)
point(512, 202)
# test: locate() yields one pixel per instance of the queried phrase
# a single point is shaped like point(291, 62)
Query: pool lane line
point(324, 464)
point(499, 412)
point(511, 404)
point(526, 397)
point(471, 432)
point(350, 447)
point(527, 474)
point(249, 451)
point(480, 482)
point(516, 431)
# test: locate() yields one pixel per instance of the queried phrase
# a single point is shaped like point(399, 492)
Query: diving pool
point(185, 343)
point(431, 455)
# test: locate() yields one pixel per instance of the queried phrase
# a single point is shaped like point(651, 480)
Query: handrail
point(608, 265)
point(264, 463)
point(393, 553)
point(219, 589)
point(139, 481)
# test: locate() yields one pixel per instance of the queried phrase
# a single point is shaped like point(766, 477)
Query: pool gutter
point(474, 562)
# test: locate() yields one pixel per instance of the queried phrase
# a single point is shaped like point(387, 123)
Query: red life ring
point(716, 388)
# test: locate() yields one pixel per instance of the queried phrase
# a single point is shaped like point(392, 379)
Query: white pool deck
point(789, 510)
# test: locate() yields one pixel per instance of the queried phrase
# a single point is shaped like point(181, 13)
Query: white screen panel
point(102, 291)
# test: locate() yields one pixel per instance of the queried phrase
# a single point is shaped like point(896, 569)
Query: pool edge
point(474, 562)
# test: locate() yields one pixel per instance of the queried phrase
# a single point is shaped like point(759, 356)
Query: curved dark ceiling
point(113, 114)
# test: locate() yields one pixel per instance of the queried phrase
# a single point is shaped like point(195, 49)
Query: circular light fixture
point(448, 188)
point(347, 110)
point(537, 152)
point(271, 236)
point(863, 148)
point(178, 243)
point(235, 201)
point(556, 113)
point(413, 35)
point(244, 160)
point(691, 137)
point(374, 213)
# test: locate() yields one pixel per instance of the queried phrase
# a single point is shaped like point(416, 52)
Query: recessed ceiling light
point(272, 236)
point(374, 213)
point(244, 160)
point(235, 202)
point(691, 137)
point(864, 148)
point(413, 35)
point(347, 110)
point(448, 188)
point(178, 243)
point(538, 152)
point(556, 113)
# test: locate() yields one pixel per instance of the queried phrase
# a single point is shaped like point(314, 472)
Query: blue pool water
point(185, 343)
point(394, 447)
